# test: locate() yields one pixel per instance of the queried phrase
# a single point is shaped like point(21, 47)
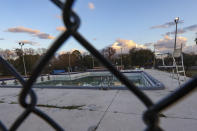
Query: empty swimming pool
point(101, 80)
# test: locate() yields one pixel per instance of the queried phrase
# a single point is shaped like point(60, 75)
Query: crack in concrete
point(96, 127)
point(177, 117)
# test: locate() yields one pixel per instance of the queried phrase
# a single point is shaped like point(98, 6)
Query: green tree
point(189, 60)
point(141, 57)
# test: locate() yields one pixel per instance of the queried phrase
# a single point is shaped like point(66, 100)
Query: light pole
point(196, 39)
point(154, 57)
point(22, 44)
point(69, 62)
point(92, 62)
point(121, 57)
point(176, 20)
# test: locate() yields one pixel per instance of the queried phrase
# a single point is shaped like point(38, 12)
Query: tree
point(29, 51)
point(18, 52)
point(87, 61)
point(109, 52)
point(189, 60)
point(77, 60)
point(30, 59)
point(141, 57)
point(126, 61)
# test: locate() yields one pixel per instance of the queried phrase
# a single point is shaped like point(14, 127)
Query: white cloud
point(91, 6)
point(126, 45)
point(148, 44)
point(36, 33)
point(190, 49)
point(166, 44)
point(29, 42)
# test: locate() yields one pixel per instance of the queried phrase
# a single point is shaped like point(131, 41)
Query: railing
point(150, 117)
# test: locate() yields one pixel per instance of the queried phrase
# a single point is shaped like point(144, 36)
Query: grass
point(2, 101)
point(13, 102)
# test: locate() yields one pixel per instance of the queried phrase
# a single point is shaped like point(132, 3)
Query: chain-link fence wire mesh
point(72, 22)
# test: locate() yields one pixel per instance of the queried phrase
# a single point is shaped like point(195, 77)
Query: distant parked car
point(55, 72)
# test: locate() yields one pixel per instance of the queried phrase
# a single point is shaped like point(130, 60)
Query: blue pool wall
point(11, 83)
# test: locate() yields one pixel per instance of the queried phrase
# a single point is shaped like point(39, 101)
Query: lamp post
point(121, 58)
point(176, 20)
point(154, 57)
point(196, 39)
point(92, 62)
point(22, 44)
point(69, 61)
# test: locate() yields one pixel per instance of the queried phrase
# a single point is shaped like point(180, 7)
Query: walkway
point(108, 110)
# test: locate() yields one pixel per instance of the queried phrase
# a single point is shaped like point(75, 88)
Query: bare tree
point(109, 52)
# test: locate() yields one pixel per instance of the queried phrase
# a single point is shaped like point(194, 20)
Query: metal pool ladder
point(178, 65)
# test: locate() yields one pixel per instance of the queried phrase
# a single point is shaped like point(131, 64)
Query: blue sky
point(102, 24)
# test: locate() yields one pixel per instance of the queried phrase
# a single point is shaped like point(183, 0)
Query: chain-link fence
point(72, 22)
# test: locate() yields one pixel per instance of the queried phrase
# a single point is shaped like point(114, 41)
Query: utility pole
point(22, 44)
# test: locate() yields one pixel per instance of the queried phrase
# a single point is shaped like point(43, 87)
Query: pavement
point(108, 110)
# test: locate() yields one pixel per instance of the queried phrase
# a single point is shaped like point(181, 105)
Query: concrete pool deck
point(110, 110)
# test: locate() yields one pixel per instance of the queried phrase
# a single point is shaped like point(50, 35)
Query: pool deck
point(110, 110)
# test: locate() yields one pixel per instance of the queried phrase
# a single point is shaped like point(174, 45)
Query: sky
point(116, 23)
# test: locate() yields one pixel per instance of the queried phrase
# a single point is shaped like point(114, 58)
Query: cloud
point(29, 42)
point(22, 29)
point(166, 44)
point(184, 30)
point(191, 28)
point(2, 39)
point(126, 45)
point(44, 36)
point(190, 49)
point(179, 31)
point(148, 44)
point(35, 33)
point(61, 28)
point(91, 6)
point(166, 25)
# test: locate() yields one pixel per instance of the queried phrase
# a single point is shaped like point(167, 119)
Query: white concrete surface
point(110, 110)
